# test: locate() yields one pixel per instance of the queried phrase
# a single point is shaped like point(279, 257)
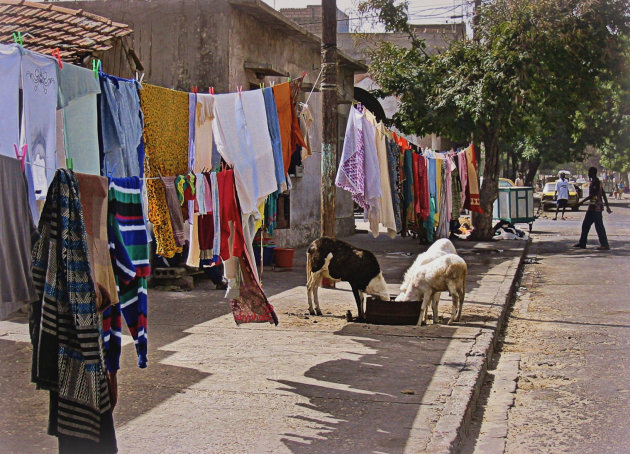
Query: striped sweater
point(128, 244)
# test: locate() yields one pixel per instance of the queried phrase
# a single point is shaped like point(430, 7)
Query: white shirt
point(562, 187)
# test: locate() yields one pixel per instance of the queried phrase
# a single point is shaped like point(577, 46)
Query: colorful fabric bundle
point(64, 323)
point(472, 189)
point(128, 242)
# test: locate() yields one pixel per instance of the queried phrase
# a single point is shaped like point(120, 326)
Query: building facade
point(229, 44)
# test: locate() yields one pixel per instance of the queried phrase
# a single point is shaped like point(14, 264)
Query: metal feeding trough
point(392, 312)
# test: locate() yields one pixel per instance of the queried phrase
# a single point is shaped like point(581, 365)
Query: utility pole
point(329, 116)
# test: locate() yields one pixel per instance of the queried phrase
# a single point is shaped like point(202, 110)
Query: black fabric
point(74, 445)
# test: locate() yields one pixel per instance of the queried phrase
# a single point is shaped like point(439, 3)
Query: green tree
point(534, 67)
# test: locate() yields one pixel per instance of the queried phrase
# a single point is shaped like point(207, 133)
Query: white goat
point(445, 273)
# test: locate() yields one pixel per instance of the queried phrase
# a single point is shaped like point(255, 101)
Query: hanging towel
point(166, 147)
point(252, 162)
point(39, 87)
point(472, 196)
point(93, 194)
point(386, 208)
point(252, 305)
point(129, 250)
point(443, 227)
point(192, 123)
point(423, 176)
point(17, 232)
point(276, 140)
point(121, 123)
point(203, 136)
point(77, 97)
point(297, 138)
point(67, 356)
point(9, 98)
point(282, 95)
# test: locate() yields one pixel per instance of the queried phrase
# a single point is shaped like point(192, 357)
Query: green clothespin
point(17, 38)
point(289, 79)
point(96, 67)
point(70, 163)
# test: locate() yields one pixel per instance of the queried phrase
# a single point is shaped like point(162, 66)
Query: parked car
point(549, 202)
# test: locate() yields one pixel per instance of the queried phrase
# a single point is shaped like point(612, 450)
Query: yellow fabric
point(261, 210)
point(166, 154)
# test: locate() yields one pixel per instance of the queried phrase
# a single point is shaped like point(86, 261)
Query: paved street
point(312, 384)
point(567, 346)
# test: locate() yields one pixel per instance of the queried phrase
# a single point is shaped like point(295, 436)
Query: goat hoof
point(318, 312)
point(311, 312)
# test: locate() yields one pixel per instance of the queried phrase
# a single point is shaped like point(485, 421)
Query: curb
point(452, 426)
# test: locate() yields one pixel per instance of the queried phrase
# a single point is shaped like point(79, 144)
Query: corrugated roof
point(44, 27)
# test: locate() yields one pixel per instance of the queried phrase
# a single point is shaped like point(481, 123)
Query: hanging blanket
point(67, 354)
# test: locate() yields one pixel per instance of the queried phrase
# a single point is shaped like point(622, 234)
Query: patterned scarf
point(67, 350)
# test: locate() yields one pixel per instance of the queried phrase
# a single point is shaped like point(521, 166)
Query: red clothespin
point(303, 74)
point(21, 158)
point(211, 90)
point(55, 53)
point(194, 89)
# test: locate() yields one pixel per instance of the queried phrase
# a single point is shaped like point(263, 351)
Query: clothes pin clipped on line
point(55, 53)
point(96, 67)
point(70, 164)
point(211, 90)
point(194, 89)
point(303, 74)
point(22, 157)
point(17, 38)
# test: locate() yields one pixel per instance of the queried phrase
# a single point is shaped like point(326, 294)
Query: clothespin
point(96, 67)
point(262, 85)
point(141, 77)
point(194, 89)
point(240, 89)
point(22, 157)
point(303, 74)
point(17, 38)
point(70, 163)
point(211, 90)
point(289, 79)
point(55, 53)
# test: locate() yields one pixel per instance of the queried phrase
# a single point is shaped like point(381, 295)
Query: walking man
point(594, 215)
point(561, 195)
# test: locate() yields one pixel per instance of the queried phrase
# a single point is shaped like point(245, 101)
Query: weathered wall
point(181, 43)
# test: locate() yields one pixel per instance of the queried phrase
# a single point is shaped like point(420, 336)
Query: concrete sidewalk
point(311, 384)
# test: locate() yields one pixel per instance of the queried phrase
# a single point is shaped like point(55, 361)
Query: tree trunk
point(482, 222)
point(532, 168)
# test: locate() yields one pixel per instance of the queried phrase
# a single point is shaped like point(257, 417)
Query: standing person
point(519, 180)
point(561, 195)
point(596, 199)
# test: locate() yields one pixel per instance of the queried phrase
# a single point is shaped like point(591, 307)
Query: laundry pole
point(329, 116)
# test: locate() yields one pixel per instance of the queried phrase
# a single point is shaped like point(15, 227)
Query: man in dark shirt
point(596, 199)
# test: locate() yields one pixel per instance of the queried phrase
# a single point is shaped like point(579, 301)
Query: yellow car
point(549, 202)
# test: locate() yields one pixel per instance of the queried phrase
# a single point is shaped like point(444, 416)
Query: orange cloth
point(282, 95)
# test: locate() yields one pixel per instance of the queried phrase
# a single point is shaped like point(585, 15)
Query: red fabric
point(230, 212)
point(205, 232)
point(297, 139)
point(416, 183)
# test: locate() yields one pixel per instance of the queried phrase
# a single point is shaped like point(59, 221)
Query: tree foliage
point(537, 78)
